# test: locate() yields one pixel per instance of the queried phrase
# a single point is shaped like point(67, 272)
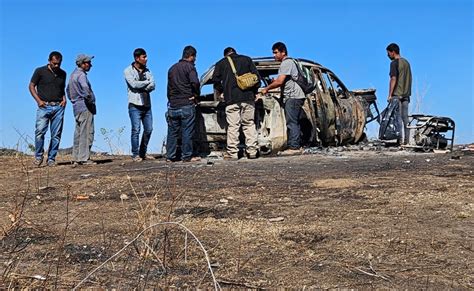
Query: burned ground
point(352, 220)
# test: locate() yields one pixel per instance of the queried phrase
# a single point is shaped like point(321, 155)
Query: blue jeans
point(53, 117)
point(138, 115)
point(293, 112)
point(180, 120)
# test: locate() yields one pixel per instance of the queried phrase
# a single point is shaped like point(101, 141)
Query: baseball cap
point(82, 58)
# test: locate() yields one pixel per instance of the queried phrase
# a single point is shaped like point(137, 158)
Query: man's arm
point(63, 85)
point(150, 87)
point(391, 87)
point(217, 79)
point(32, 87)
point(278, 82)
point(284, 71)
point(393, 78)
point(35, 95)
point(193, 77)
point(84, 90)
point(132, 83)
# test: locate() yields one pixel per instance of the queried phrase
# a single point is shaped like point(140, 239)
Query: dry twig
point(216, 284)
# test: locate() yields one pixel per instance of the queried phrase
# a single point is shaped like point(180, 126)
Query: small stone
point(223, 200)
point(463, 214)
point(123, 196)
point(277, 219)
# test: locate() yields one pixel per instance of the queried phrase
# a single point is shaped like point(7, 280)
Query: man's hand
point(264, 91)
point(63, 102)
point(389, 98)
point(41, 103)
point(193, 99)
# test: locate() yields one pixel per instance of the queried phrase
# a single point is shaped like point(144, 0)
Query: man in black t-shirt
point(47, 88)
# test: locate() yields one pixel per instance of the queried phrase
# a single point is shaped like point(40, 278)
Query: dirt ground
point(365, 219)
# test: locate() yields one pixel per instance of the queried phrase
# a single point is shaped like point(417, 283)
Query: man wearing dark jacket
point(240, 104)
point(183, 91)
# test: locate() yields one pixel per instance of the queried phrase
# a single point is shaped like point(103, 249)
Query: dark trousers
point(180, 120)
point(403, 105)
point(293, 112)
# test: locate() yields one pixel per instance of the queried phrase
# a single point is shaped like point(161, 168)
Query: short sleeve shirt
point(290, 88)
point(49, 85)
point(400, 68)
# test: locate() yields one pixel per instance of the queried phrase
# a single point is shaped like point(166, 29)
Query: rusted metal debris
point(333, 114)
point(429, 132)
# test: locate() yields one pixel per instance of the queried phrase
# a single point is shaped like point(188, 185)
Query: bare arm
point(35, 95)
point(278, 82)
point(391, 87)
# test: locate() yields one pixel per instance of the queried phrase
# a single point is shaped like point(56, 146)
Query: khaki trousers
point(83, 136)
point(241, 114)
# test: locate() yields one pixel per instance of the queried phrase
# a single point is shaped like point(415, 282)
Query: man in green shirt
point(400, 86)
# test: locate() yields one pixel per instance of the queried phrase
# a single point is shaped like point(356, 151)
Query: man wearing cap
point(47, 88)
point(140, 83)
point(83, 102)
point(240, 104)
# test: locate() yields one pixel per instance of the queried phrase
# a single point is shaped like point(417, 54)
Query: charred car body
point(333, 115)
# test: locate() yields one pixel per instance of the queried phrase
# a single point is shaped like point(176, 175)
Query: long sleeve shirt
point(139, 85)
point(224, 79)
point(183, 84)
point(79, 91)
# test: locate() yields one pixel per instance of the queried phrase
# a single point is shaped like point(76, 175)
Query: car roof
point(270, 61)
point(263, 63)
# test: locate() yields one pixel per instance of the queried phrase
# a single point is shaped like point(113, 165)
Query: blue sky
point(349, 37)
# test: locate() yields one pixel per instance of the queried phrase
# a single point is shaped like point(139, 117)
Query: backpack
point(305, 78)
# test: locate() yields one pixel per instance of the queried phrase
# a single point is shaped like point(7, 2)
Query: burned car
point(333, 115)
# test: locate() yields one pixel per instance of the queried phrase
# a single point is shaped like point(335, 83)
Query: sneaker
point(38, 162)
point(252, 156)
point(148, 157)
point(290, 152)
point(89, 162)
point(193, 159)
point(229, 157)
point(52, 163)
point(75, 164)
point(137, 159)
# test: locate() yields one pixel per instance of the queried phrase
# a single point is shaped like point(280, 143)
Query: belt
point(53, 103)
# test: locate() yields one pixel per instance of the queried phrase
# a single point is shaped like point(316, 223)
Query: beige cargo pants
point(241, 114)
